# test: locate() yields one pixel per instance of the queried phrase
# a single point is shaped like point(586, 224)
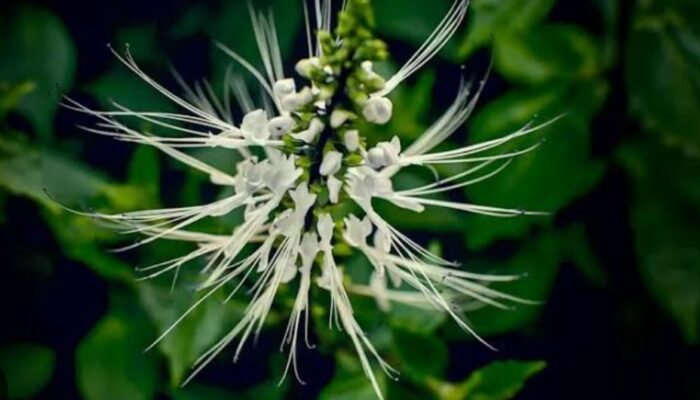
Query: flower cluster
point(307, 181)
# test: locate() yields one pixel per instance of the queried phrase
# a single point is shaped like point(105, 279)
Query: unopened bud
point(377, 110)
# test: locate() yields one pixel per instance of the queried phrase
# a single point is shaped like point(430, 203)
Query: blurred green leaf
point(196, 333)
point(123, 87)
point(42, 53)
point(500, 380)
point(416, 319)
point(545, 179)
point(412, 21)
point(231, 26)
point(49, 179)
point(420, 355)
point(488, 19)
point(663, 61)
point(576, 248)
point(12, 94)
point(350, 387)
point(144, 170)
point(547, 53)
point(28, 368)
point(538, 264)
point(110, 363)
point(665, 215)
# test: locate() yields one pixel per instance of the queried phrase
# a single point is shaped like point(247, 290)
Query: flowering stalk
point(304, 159)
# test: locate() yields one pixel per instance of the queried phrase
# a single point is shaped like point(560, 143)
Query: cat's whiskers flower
point(303, 159)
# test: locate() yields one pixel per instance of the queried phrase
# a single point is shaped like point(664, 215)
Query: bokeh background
point(617, 265)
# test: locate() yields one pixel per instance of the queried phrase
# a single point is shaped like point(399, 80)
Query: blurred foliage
point(549, 70)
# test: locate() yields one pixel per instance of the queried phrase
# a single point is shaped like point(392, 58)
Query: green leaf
point(665, 215)
point(538, 264)
point(196, 333)
point(420, 355)
point(662, 64)
point(500, 380)
point(128, 90)
point(412, 21)
point(11, 95)
point(110, 363)
point(488, 19)
point(231, 26)
point(547, 53)
point(42, 53)
point(350, 387)
point(39, 174)
point(28, 368)
point(144, 170)
point(546, 179)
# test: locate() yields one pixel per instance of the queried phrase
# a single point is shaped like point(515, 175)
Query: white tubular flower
point(332, 161)
point(306, 65)
point(254, 126)
point(384, 154)
point(309, 134)
point(338, 118)
point(286, 149)
point(284, 87)
point(297, 100)
point(351, 140)
point(378, 110)
point(334, 185)
point(279, 126)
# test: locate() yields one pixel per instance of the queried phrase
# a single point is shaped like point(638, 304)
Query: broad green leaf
point(42, 53)
point(538, 264)
point(576, 248)
point(488, 19)
point(547, 53)
point(663, 61)
point(28, 368)
point(545, 179)
point(420, 355)
point(51, 179)
point(665, 216)
point(500, 380)
point(350, 387)
point(144, 170)
point(196, 333)
point(416, 319)
point(111, 364)
point(11, 95)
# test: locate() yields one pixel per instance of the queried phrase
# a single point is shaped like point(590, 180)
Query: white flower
point(351, 140)
point(332, 161)
point(284, 87)
point(306, 65)
point(334, 185)
point(338, 118)
point(288, 234)
point(384, 154)
point(309, 134)
point(254, 126)
point(378, 110)
point(279, 126)
point(297, 100)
